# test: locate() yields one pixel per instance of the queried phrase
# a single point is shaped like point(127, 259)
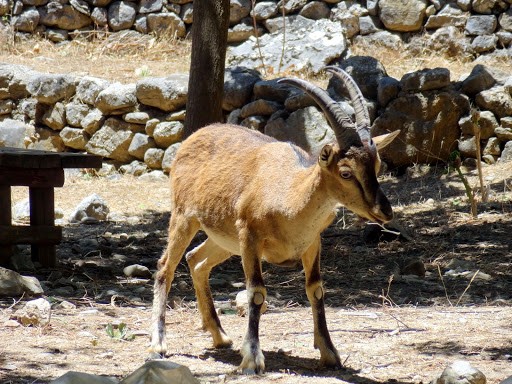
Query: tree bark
point(206, 81)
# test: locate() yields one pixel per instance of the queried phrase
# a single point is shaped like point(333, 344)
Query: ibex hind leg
point(201, 260)
point(181, 232)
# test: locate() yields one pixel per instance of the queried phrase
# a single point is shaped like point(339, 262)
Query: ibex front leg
point(253, 360)
point(322, 340)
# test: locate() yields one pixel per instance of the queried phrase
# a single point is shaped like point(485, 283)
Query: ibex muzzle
point(267, 200)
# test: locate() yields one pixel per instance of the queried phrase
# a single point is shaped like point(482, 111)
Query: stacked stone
point(471, 27)
point(121, 122)
point(141, 124)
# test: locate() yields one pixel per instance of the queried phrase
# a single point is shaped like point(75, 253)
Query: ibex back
point(266, 200)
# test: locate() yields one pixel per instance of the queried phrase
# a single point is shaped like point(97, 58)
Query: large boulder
point(310, 45)
point(480, 79)
point(238, 85)
point(47, 140)
point(13, 81)
point(402, 16)
point(55, 116)
point(166, 23)
point(26, 21)
point(112, 141)
point(63, 16)
point(168, 133)
point(306, 128)
point(89, 88)
point(165, 93)
point(366, 72)
point(48, 88)
point(425, 80)
point(117, 99)
point(497, 100)
point(429, 126)
point(14, 133)
point(75, 138)
point(481, 25)
point(121, 15)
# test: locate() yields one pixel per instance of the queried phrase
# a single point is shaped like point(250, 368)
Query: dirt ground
point(388, 326)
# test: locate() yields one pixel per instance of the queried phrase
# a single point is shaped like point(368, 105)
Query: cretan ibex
point(267, 200)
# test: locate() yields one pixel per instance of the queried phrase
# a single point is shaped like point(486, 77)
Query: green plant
point(143, 71)
point(257, 35)
point(475, 119)
point(119, 332)
point(455, 162)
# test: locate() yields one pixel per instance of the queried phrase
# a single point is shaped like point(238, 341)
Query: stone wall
point(482, 25)
point(142, 124)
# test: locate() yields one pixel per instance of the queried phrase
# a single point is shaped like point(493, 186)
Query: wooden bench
point(40, 171)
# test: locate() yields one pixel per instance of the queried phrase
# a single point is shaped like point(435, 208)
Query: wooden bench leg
point(42, 212)
point(6, 251)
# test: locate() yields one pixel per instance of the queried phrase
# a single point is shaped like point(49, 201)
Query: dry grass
point(400, 62)
point(116, 57)
point(128, 196)
point(113, 57)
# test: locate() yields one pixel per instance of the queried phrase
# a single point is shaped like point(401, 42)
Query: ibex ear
point(384, 140)
point(326, 156)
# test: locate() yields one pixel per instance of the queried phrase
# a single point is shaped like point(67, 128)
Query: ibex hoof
point(333, 362)
point(252, 364)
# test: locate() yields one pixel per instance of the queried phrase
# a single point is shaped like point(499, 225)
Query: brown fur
point(263, 200)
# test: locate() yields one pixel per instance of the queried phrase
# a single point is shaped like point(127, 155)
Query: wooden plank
point(42, 212)
point(6, 251)
point(42, 178)
point(24, 234)
point(79, 160)
point(5, 205)
point(31, 158)
point(28, 158)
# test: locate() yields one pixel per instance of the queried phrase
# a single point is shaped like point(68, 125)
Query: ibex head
point(353, 162)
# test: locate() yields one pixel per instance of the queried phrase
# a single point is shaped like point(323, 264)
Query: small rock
point(35, 312)
point(460, 372)
point(137, 270)
point(66, 305)
point(13, 284)
point(72, 377)
point(414, 267)
point(182, 285)
point(93, 207)
point(154, 176)
point(161, 371)
point(21, 210)
point(89, 312)
point(11, 324)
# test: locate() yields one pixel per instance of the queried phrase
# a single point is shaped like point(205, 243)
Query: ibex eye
point(345, 174)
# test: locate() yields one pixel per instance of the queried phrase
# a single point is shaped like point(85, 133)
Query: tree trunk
point(206, 82)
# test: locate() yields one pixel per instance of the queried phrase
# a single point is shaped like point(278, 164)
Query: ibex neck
point(309, 194)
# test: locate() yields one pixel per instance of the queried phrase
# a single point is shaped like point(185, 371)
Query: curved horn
point(340, 122)
point(358, 102)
